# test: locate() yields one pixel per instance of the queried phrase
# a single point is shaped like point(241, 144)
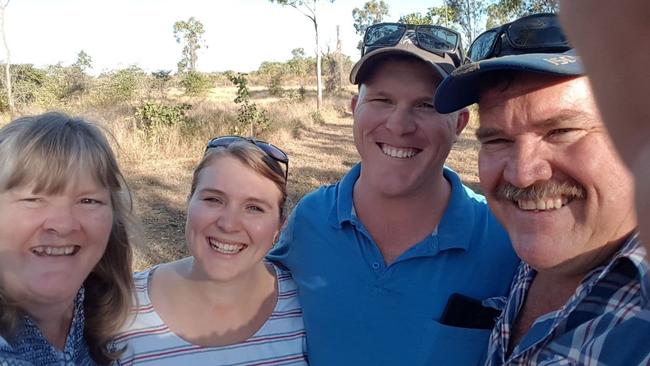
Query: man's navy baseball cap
point(462, 87)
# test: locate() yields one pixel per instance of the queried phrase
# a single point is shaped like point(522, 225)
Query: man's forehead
point(385, 67)
point(535, 92)
point(500, 89)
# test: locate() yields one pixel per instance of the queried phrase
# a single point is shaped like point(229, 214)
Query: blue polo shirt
point(359, 311)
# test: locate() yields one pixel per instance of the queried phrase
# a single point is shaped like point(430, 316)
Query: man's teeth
point(543, 204)
point(397, 152)
point(226, 248)
point(54, 251)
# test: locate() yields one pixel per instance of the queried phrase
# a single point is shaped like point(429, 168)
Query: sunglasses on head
point(270, 150)
point(530, 34)
point(431, 38)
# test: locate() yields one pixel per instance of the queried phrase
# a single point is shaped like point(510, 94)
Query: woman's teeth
point(226, 248)
point(45, 251)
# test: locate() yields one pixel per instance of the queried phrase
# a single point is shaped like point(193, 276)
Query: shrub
point(194, 83)
point(26, 81)
point(275, 86)
point(119, 86)
point(248, 115)
point(152, 117)
point(317, 118)
point(160, 80)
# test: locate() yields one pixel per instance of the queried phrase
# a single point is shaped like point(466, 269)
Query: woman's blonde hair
point(46, 151)
point(253, 157)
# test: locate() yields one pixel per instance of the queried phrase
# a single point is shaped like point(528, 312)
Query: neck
point(398, 223)
point(429, 199)
point(53, 320)
point(237, 292)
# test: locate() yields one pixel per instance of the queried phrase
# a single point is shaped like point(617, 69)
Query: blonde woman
point(224, 305)
point(65, 257)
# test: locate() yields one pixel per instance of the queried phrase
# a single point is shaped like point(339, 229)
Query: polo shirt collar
point(342, 209)
point(457, 225)
point(455, 229)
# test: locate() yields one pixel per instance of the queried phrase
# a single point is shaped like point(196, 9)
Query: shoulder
point(11, 357)
point(4, 344)
point(321, 198)
point(327, 196)
point(141, 283)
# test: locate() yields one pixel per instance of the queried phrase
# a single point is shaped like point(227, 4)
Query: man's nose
point(527, 164)
point(401, 121)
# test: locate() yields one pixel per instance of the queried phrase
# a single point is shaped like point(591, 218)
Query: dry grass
point(159, 170)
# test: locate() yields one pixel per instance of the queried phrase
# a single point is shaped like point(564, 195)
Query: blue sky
point(119, 33)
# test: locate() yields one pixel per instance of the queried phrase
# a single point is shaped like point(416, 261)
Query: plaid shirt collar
point(550, 325)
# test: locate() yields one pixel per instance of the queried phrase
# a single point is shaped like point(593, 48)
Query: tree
point(84, 61)
point(468, 13)
point(160, 80)
point(503, 11)
point(309, 8)
point(189, 33)
point(300, 65)
point(373, 12)
point(444, 15)
point(10, 98)
point(415, 18)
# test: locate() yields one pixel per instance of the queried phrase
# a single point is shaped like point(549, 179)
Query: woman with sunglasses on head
point(224, 305)
point(65, 257)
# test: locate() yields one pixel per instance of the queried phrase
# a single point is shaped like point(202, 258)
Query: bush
point(275, 86)
point(26, 81)
point(119, 86)
point(152, 117)
point(317, 118)
point(194, 83)
point(248, 116)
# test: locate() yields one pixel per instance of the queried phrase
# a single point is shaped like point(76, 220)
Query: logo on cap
point(561, 60)
point(465, 69)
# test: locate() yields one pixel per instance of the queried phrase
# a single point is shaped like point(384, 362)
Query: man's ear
point(353, 103)
point(462, 120)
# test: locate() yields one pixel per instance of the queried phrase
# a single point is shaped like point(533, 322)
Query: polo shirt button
point(376, 265)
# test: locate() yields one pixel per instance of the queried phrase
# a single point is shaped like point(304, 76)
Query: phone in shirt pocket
point(466, 312)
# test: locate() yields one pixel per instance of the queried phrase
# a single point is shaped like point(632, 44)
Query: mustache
point(538, 191)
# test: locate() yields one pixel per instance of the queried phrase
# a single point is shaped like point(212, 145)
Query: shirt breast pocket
point(456, 345)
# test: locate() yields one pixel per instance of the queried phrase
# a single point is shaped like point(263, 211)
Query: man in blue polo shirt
point(394, 261)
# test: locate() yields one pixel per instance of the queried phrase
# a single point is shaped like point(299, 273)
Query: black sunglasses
point(270, 150)
point(431, 38)
point(530, 34)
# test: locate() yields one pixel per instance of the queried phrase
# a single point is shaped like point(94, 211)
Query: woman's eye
point(254, 208)
point(90, 201)
point(31, 199)
point(212, 199)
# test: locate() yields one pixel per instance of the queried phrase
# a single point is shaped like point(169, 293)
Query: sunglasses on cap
point(270, 150)
point(431, 38)
point(537, 33)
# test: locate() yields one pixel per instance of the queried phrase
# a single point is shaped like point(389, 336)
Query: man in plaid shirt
point(553, 178)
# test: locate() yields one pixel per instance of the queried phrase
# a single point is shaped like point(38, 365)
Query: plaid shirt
point(605, 322)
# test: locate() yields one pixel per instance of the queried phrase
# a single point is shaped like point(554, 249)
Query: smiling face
point(551, 174)
point(49, 243)
point(403, 141)
point(233, 218)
